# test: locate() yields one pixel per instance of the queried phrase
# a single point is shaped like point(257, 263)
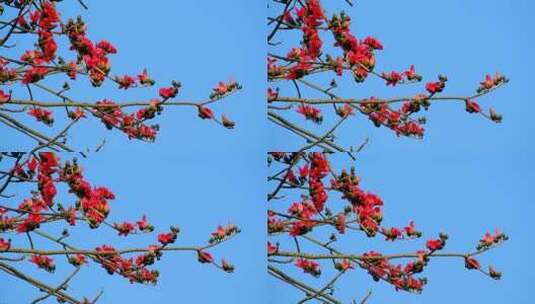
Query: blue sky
point(467, 175)
point(197, 174)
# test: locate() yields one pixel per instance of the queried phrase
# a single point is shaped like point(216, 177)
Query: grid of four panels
point(149, 155)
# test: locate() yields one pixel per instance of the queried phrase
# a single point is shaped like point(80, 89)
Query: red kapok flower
point(71, 216)
point(373, 43)
point(204, 257)
point(166, 238)
point(144, 78)
point(411, 74)
point(227, 123)
point(77, 260)
point(44, 262)
point(169, 92)
point(32, 164)
point(434, 245)
point(271, 249)
point(144, 225)
point(392, 78)
point(4, 97)
point(4, 245)
point(472, 106)
point(494, 274)
point(205, 113)
point(309, 266)
point(345, 110)
point(107, 47)
point(471, 263)
point(341, 223)
point(434, 87)
point(227, 267)
point(272, 94)
point(310, 113)
point(220, 232)
point(495, 116)
point(125, 81)
point(124, 228)
point(488, 239)
point(41, 114)
point(345, 264)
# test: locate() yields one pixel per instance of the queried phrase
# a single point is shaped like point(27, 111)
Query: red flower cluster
point(94, 56)
point(271, 94)
point(43, 262)
point(4, 97)
point(307, 209)
point(438, 86)
point(7, 74)
point(471, 263)
point(437, 244)
point(77, 260)
point(6, 222)
point(491, 82)
point(309, 266)
point(223, 232)
point(144, 79)
point(367, 206)
point(93, 202)
point(205, 113)
point(304, 211)
point(34, 217)
point(303, 65)
point(134, 269)
point(124, 228)
point(310, 113)
point(125, 81)
point(166, 238)
point(4, 245)
point(143, 225)
point(393, 78)
point(223, 89)
point(273, 69)
point(227, 267)
point(271, 249)
point(43, 20)
point(131, 124)
point(472, 106)
point(169, 92)
point(398, 121)
point(42, 115)
point(401, 277)
point(47, 166)
point(34, 75)
point(319, 168)
point(358, 54)
point(311, 16)
point(490, 240)
point(204, 257)
point(344, 265)
point(275, 224)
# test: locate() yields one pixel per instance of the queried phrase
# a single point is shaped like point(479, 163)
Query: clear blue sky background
point(468, 175)
point(198, 174)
